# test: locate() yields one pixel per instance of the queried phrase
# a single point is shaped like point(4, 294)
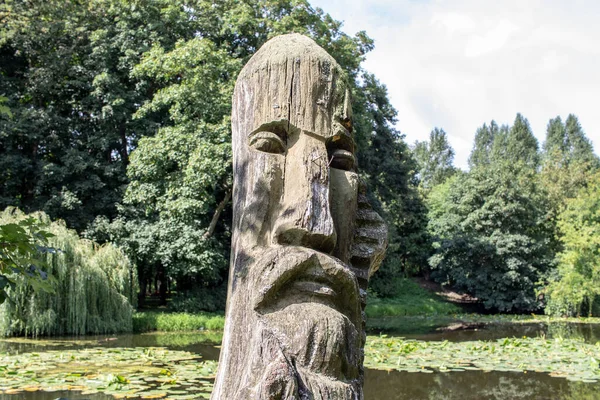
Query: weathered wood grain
point(305, 240)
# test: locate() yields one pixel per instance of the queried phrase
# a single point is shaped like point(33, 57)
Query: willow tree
point(94, 287)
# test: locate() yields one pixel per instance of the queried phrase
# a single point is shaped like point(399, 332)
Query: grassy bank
point(149, 321)
point(412, 300)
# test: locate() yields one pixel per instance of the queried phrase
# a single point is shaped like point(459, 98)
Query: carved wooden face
point(296, 270)
point(296, 181)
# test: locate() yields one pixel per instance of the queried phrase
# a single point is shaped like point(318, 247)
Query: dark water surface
point(474, 385)
point(379, 385)
point(195, 342)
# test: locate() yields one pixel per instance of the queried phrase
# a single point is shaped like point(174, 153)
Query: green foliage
point(178, 176)
point(171, 322)
point(410, 300)
point(4, 110)
point(568, 164)
point(120, 116)
point(389, 170)
point(434, 159)
point(117, 112)
point(65, 68)
point(94, 289)
point(492, 238)
point(577, 284)
point(180, 179)
point(576, 144)
point(23, 244)
point(200, 299)
point(521, 145)
point(483, 148)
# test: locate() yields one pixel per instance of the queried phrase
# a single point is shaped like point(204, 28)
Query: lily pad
point(567, 358)
point(121, 372)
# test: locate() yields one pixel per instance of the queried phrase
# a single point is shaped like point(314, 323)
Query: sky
point(457, 64)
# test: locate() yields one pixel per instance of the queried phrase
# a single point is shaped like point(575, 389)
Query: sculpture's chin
point(318, 339)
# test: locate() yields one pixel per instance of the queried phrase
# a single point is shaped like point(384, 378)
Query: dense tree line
point(508, 231)
point(114, 116)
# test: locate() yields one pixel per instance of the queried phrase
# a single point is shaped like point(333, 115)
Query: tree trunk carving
point(305, 239)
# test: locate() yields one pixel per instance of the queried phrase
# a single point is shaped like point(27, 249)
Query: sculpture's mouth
point(289, 274)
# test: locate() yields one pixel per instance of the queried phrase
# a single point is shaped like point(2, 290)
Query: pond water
point(475, 385)
point(379, 385)
point(202, 343)
point(424, 329)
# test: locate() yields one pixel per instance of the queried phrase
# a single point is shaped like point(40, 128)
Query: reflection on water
point(203, 343)
point(61, 395)
point(474, 385)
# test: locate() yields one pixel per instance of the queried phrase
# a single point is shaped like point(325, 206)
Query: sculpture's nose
point(305, 218)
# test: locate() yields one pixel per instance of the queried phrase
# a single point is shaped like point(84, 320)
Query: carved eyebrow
point(278, 127)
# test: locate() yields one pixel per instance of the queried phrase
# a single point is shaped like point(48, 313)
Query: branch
point(216, 215)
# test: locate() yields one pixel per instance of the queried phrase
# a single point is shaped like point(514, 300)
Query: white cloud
point(454, 22)
point(491, 40)
point(458, 64)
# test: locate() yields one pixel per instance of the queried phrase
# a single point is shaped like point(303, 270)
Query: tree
point(92, 286)
point(555, 137)
point(491, 236)
point(120, 116)
point(434, 159)
point(66, 67)
point(521, 145)
point(569, 142)
point(23, 245)
point(577, 284)
point(483, 146)
point(490, 239)
point(577, 145)
point(180, 179)
point(387, 166)
point(4, 110)
point(568, 164)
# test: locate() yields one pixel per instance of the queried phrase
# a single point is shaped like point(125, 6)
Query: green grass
point(412, 301)
point(525, 319)
point(149, 321)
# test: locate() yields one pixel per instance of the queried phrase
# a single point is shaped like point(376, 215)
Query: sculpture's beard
point(307, 341)
point(321, 347)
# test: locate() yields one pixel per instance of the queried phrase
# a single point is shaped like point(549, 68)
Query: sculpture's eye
point(268, 142)
point(342, 159)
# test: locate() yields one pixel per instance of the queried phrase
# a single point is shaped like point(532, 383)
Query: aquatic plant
point(566, 358)
point(151, 372)
point(94, 288)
